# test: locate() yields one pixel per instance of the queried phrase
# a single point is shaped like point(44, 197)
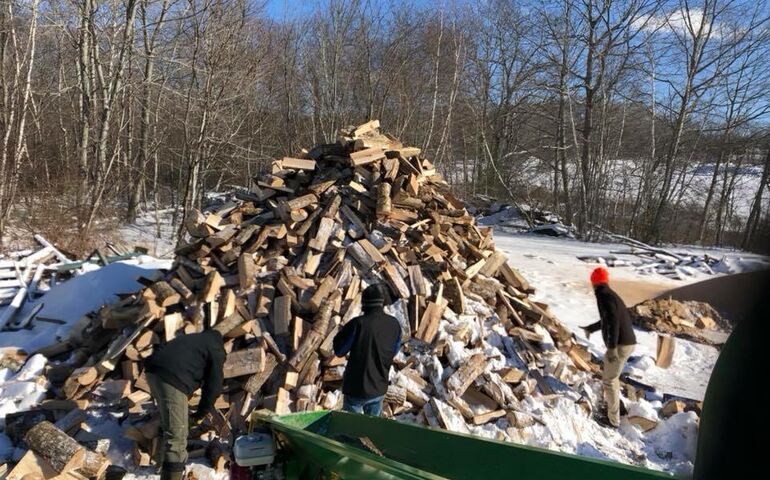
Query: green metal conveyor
point(323, 445)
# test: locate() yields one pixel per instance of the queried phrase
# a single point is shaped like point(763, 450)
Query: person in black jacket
point(174, 372)
point(372, 339)
point(618, 336)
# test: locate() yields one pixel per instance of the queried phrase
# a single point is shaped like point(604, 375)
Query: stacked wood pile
point(281, 267)
point(687, 319)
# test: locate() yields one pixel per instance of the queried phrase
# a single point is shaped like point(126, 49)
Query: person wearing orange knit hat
point(618, 336)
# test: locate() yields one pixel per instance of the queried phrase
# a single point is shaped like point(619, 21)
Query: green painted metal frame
point(416, 452)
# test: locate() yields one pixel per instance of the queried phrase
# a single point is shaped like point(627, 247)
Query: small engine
point(255, 457)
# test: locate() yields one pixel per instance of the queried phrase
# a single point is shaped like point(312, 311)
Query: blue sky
point(280, 9)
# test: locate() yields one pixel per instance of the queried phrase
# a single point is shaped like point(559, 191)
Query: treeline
point(646, 117)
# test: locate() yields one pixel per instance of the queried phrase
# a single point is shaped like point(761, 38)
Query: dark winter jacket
point(615, 320)
point(189, 362)
point(372, 339)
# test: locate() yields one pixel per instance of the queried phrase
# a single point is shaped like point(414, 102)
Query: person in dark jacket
point(174, 372)
point(372, 340)
point(618, 336)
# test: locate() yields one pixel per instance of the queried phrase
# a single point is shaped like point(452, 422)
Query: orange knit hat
point(600, 276)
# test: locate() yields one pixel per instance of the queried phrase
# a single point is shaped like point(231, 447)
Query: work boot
point(623, 409)
point(600, 416)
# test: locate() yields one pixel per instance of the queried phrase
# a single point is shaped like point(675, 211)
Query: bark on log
point(384, 203)
point(60, 450)
point(244, 362)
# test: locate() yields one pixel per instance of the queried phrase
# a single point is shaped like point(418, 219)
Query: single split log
point(60, 450)
point(466, 374)
point(384, 203)
point(255, 382)
point(244, 362)
point(94, 465)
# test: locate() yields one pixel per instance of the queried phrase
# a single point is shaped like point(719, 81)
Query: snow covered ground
point(561, 279)
point(144, 233)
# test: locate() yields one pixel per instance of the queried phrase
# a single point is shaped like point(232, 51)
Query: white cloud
point(679, 21)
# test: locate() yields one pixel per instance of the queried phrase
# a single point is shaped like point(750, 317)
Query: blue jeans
point(366, 406)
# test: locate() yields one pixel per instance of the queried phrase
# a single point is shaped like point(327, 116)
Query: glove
point(192, 423)
point(196, 419)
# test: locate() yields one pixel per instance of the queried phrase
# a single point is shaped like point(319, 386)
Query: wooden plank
point(413, 185)
point(32, 466)
point(417, 280)
point(244, 362)
point(367, 156)
point(229, 323)
point(222, 237)
point(255, 382)
point(512, 375)
point(312, 262)
point(298, 329)
point(504, 300)
point(403, 215)
point(298, 163)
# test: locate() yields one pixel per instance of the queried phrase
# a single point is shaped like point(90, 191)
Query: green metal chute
point(318, 444)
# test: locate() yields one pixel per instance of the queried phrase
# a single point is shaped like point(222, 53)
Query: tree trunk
point(756, 205)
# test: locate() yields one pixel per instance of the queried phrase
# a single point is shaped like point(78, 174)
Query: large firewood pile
point(280, 268)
